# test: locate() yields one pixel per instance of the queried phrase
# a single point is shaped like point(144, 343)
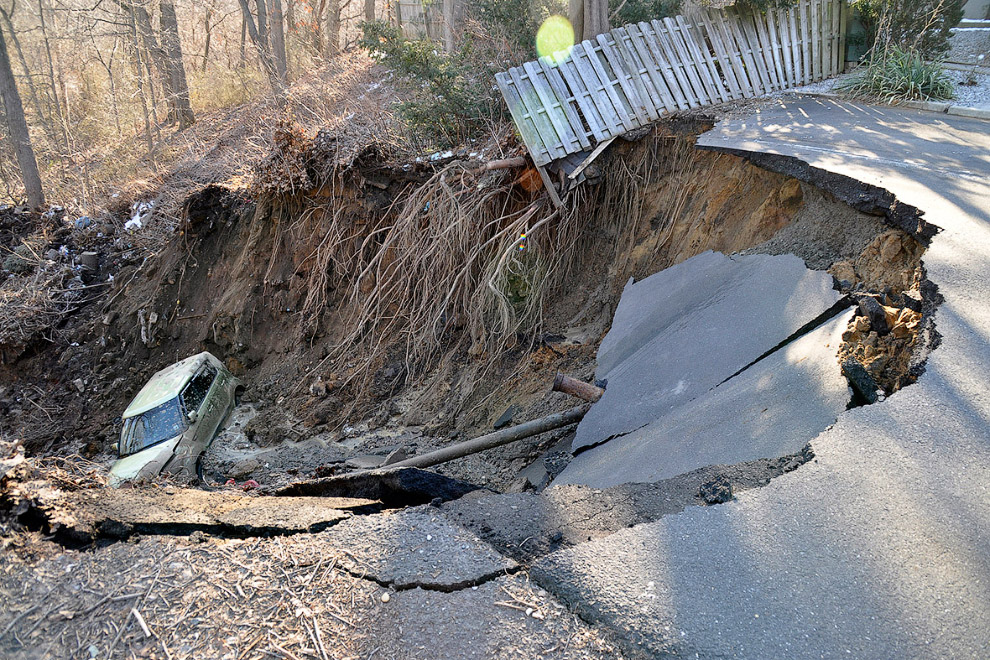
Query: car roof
point(167, 383)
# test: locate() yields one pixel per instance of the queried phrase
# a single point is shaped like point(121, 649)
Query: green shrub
point(920, 25)
point(763, 6)
point(515, 21)
point(895, 74)
point(636, 11)
point(454, 95)
point(21, 261)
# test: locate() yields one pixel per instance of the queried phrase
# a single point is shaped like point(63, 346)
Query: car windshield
point(149, 428)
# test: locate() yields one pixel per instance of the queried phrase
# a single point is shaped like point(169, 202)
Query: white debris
point(141, 211)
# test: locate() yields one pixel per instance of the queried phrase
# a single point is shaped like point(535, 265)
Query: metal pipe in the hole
point(578, 388)
point(496, 439)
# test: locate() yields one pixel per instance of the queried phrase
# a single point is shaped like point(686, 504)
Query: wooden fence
point(635, 74)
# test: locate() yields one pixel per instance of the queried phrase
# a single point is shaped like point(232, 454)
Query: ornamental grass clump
point(897, 74)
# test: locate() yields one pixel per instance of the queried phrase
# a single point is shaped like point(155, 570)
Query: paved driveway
point(880, 547)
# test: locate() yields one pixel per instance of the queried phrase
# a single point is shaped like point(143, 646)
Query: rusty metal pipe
point(496, 439)
point(578, 388)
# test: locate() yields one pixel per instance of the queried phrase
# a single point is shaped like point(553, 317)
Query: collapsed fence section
point(624, 79)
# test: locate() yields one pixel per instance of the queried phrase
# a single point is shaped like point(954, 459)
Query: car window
point(198, 387)
point(149, 428)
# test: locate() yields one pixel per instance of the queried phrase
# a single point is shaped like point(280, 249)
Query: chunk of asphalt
point(87, 515)
point(771, 409)
point(413, 548)
point(506, 418)
point(684, 330)
point(864, 387)
point(871, 308)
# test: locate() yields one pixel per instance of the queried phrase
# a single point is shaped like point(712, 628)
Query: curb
point(930, 106)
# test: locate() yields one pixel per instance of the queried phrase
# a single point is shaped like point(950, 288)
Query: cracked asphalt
point(878, 547)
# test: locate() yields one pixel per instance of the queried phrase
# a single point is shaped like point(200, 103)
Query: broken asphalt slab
point(771, 409)
point(84, 515)
point(875, 549)
point(684, 330)
point(414, 548)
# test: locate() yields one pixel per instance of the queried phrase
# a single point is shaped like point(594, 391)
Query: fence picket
point(633, 75)
point(729, 63)
point(638, 40)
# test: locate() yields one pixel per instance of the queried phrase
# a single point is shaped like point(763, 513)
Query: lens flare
point(555, 38)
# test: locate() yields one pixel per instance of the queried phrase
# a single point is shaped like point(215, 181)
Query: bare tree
point(332, 46)
point(18, 128)
point(140, 79)
point(260, 40)
point(277, 40)
point(369, 10)
point(179, 102)
point(588, 17)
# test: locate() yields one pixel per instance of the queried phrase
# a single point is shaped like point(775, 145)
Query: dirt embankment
point(275, 281)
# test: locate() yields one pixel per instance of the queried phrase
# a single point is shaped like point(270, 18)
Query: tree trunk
point(18, 128)
point(158, 58)
point(140, 80)
point(209, 33)
point(369, 10)
point(29, 80)
point(278, 89)
point(59, 117)
point(263, 37)
point(278, 41)
point(290, 15)
point(589, 18)
point(177, 72)
point(448, 25)
point(243, 61)
point(333, 29)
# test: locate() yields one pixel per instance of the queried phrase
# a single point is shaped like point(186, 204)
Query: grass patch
point(898, 74)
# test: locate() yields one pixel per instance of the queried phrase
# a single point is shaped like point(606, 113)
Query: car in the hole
point(173, 419)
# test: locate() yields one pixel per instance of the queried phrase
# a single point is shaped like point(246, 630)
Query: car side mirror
point(193, 416)
point(115, 447)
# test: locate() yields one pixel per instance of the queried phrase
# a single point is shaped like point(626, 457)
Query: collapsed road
point(867, 543)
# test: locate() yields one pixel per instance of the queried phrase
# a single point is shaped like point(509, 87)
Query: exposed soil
point(237, 277)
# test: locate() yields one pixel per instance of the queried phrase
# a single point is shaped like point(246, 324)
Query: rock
point(364, 462)
point(862, 383)
point(52, 255)
point(79, 385)
point(518, 485)
point(506, 418)
point(318, 388)
point(243, 468)
point(90, 261)
point(912, 300)
point(873, 310)
point(844, 270)
point(716, 491)
point(396, 455)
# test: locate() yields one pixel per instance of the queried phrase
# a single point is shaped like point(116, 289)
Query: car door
point(216, 405)
point(196, 397)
